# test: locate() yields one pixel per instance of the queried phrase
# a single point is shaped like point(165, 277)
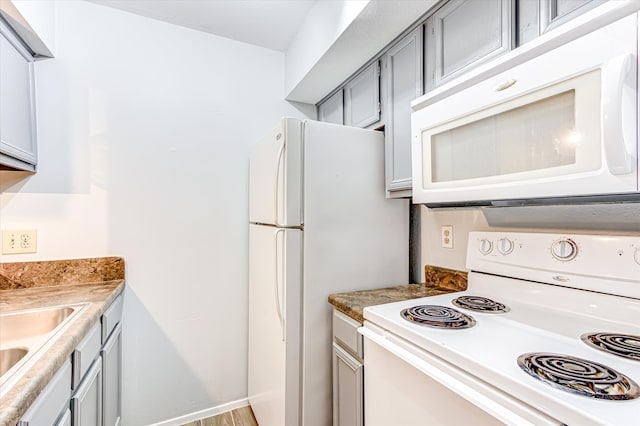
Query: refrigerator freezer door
point(275, 177)
point(274, 324)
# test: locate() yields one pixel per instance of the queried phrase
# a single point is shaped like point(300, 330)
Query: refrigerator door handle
point(277, 191)
point(277, 285)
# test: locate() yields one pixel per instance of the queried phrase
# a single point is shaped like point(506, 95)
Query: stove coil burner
point(624, 345)
point(480, 304)
point(438, 317)
point(579, 376)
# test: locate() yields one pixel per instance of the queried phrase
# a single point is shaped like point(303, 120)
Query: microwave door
point(552, 132)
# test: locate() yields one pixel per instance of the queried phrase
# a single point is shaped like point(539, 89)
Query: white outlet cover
point(446, 236)
point(19, 241)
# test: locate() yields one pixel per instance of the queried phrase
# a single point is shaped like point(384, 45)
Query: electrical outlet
point(19, 241)
point(446, 236)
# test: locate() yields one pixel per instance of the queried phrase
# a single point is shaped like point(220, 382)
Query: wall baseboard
point(203, 414)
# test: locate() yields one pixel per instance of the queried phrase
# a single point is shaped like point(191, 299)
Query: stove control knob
point(485, 246)
point(564, 249)
point(505, 246)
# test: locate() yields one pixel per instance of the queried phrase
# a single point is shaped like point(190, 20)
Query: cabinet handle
point(75, 369)
point(505, 85)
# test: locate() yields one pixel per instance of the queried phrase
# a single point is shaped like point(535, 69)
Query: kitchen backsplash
point(449, 279)
point(60, 272)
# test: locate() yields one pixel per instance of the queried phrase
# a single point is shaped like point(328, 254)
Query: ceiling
point(267, 23)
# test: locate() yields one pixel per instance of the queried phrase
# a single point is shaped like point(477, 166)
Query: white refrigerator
point(319, 224)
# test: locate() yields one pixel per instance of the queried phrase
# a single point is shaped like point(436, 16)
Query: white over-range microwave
point(559, 128)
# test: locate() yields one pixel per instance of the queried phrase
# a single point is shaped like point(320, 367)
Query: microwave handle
point(619, 74)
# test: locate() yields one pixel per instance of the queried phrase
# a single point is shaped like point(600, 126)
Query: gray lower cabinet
point(18, 149)
point(97, 399)
point(86, 391)
point(348, 372)
point(362, 97)
point(403, 82)
point(111, 355)
point(348, 375)
point(86, 402)
point(65, 419)
point(332, 110)
point(53, 402)
point(463, 34)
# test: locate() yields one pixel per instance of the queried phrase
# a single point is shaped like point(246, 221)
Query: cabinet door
point(556, 12)
point(51, 402)
point(332, 110)
point(362, 98)
point(463, 34)
point(17, 101)
point(538, 16)
point(112, 378)
point(403, 78)
point(65, 419)
point(347, 389)
point(86, 403)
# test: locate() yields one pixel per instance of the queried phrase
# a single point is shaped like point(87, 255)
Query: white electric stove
point(548, 332)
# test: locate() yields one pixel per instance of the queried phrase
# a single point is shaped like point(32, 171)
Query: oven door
point(538, 130)
point(406, 385)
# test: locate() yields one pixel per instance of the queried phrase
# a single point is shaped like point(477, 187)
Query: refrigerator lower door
point(275, 257)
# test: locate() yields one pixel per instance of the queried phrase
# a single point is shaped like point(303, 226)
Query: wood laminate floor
point(239, 417)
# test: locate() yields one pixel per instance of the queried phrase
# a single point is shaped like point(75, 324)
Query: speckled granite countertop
point(438, 281)
point(28, 285)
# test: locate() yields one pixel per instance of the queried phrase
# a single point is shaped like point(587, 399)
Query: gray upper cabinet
point(535, 17)
point(362, 97)
point(555, 12)
point(403, 82)
point(464, 33)
point(17, 103)
point(332, 110)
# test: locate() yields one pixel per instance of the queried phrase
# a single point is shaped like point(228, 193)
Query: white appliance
point(537, 307)
point(560, 126)
point(319, 224)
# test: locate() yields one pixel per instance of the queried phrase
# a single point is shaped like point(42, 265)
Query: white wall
point(338, 37)
point(144, 132)
point(324, 23)
point(613, 219)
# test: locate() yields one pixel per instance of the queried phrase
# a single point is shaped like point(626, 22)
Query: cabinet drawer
point(47, 408)
point(111, 317)
point(345, 331)
point(85, 353)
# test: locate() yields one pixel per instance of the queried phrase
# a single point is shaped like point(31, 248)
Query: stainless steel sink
point(26, 335)
point(10, 357)
point(26, 324)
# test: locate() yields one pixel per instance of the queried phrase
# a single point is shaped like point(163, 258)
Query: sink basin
point(26, 335)
point(27, 324)
point(10, 357)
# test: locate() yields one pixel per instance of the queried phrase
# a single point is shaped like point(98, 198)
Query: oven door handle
point(480, 394)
